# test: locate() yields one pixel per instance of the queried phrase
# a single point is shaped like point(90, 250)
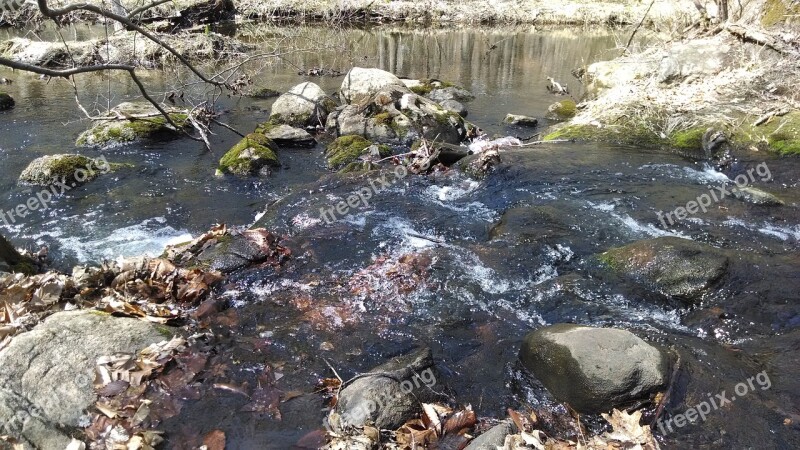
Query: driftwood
point(759, 37)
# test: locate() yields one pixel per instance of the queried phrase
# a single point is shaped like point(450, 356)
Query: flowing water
point(465, 267)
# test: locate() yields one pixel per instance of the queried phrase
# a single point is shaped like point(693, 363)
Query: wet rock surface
point(130, 122)
point(388, 395)
point(756, 196)
point(286, 136)
point(253, 155)
point(48, 372)
point(593, 369)
point(6, 102)
point(71, 169)
point(671, 266)
point(517, 119)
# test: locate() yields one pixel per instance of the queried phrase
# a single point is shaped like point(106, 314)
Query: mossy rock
point(360, 166)
point(347, 149)
point(110, 133)
point(6, 102)
point(779, 135)
point(249, 156)
point(674, 267)
point(72, 169)
point(688, 139)
point(426, 86)
point(563, 110)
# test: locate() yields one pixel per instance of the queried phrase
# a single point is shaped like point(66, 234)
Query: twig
point(225, 125)
point(637, 27)
point(554, 141)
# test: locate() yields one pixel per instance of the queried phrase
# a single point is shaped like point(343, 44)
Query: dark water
point(489, 260)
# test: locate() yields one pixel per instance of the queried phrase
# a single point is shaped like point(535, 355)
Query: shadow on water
point(464, 266)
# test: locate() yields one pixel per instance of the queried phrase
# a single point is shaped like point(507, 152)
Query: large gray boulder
point(675, 267)
point(304, 105)
point(593, 369)
point(387, 396)
point(362, 84)
point(47, 373)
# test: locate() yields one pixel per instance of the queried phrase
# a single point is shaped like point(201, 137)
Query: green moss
point(24, 267)
point(422, 89)
point(266, 127)
point(383, 118)
point(426, 86)
point(778, 11)
point(126, 131)
point(633, 133)
point(345, 150)
point(689, 139)
point(565, 109)
point(165, 331)
point(779, 135)
point(264, 93)
point(260, 153)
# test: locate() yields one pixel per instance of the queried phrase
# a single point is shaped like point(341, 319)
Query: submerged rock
point(70, 169)
point(304, 105)
point(253, 155)
point(361, 84)
point(48, 373)
point(264, 93)
point(6, 101)
point(444, 93)
point(593, 369)
point(349, 149)
point(756, 196)
point(672, 266)
point(129, 122)
point(387, 396)
point(229, 252)
point(285, 135)
point(516, 119)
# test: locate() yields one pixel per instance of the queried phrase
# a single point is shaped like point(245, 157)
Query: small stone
point(455, 106)
point(6, 101)
point(756, 196)
point(516, 119)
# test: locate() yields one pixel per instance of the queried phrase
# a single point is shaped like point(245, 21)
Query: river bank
point(360, 275)
point(662, 13)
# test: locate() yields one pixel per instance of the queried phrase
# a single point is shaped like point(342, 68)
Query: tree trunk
point(722, 6)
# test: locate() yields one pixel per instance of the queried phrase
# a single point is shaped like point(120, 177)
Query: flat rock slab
point(47, 373)
point(593, 369)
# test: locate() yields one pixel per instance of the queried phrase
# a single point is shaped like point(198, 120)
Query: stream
point(480, 263)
